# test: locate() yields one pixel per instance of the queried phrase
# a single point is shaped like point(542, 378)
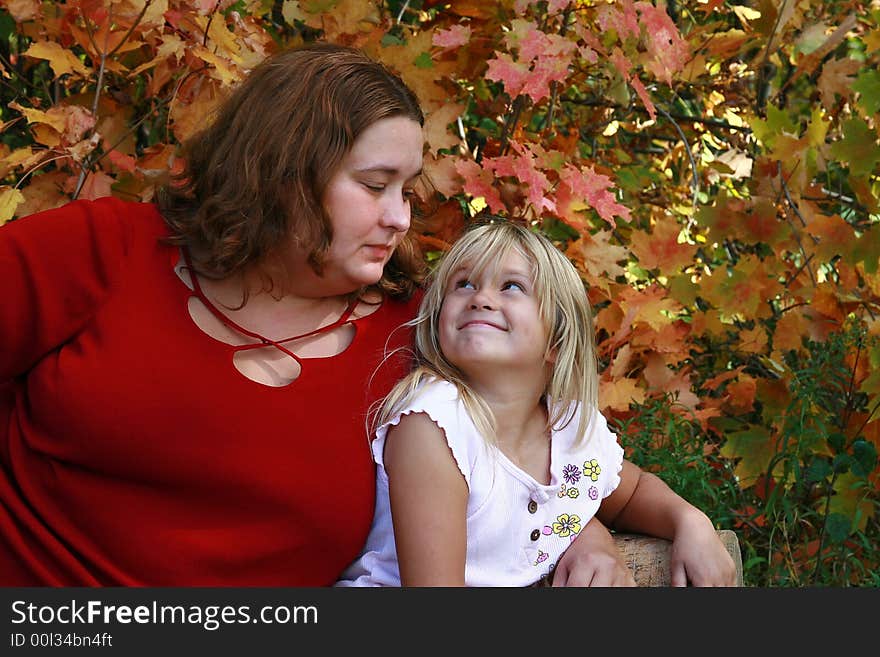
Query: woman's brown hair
point(257, 174)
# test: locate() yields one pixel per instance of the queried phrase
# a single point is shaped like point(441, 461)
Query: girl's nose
point(482, 298)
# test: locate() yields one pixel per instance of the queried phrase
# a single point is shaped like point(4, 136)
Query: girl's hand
point(698, 556)
point(593, 560)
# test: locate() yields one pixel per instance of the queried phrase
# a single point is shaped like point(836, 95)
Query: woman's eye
point(374, 188)
point(409, 194)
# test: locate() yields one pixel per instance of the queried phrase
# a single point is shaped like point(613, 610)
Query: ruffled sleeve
point(610, 451)
point(439, 400)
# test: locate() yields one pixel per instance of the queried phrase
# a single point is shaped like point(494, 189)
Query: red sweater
point(132, 452)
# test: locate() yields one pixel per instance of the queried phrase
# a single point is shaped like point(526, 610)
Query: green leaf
point(864, 457)
point(842, 463)
point(838, 527)
point(777, 122)
point(754, 448)
point(858, 147)
point(868, 85)
point(424, 60)
point(866, 250)
point(837, 442)
point(819, 470)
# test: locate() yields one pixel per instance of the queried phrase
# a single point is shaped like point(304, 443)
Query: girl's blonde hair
point(564, 309)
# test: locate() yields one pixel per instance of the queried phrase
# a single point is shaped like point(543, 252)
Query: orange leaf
point(661, 249)
point(650, 306)
point(741, 394)
point(837, 77)
point(753, 341)
point(790, 331)
point(96, 185)
point(437, 131)
point(715, 381)
point(599, 256)
point(441, 174)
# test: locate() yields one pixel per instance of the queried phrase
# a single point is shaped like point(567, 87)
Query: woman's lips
point(379, 251)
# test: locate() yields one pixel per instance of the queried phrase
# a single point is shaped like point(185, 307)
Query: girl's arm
point(593, 560)
point(643, 503)
point(428, 503)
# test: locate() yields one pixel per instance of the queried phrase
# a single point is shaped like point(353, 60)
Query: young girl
point(492, 456)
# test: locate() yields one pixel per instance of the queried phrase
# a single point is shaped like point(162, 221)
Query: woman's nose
point(396, 215)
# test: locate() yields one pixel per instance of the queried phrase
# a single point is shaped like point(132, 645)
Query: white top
point(517, 528)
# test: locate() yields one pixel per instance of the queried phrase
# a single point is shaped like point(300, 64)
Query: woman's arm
point(428, 503)
point(643, 503)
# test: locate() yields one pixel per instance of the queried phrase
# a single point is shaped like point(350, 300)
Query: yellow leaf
point(14, 159)
point(849, 497)
point(155, 13)
point(292, 12)
point(872, 40)
point(54, 119)
point(617, 395)
point(223, 69)
point(60, 60)
point(10, 199)
point(46, 135)
point(226, 40)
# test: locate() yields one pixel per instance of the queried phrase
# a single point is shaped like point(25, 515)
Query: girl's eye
point(464, 283)
point(509, 285)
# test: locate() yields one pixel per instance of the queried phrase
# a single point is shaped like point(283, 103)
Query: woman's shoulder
point(101, 218)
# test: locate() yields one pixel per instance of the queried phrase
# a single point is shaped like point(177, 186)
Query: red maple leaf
point(513, 75)
point(669, 52)
point(478, 183)
point(593, 188)
point(454, 37)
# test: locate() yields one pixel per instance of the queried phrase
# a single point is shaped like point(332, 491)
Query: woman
point(184, 386)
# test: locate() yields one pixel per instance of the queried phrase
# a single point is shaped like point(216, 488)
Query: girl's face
point(491, 321)
point(368, 202)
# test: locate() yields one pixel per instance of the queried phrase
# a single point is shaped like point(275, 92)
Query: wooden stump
point(648, 557)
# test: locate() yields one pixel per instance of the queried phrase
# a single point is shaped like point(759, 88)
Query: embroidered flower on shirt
point(542, 556)
point(594, 493)
point(571, 473)
point(573, 493)
point(567, 525)
point(592, 469)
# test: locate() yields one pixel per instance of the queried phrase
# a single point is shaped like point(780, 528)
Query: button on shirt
point(517, 528)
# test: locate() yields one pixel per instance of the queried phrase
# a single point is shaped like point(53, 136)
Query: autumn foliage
point(713, 170)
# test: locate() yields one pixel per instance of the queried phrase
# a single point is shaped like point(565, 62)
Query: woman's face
point(368, 202)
